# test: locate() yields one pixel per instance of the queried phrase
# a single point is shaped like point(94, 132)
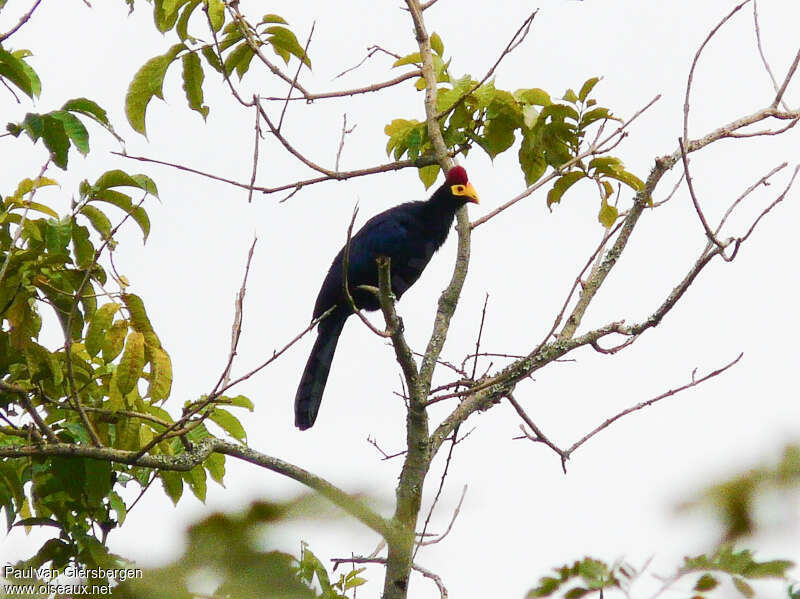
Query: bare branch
point(438, 494)
point(23, 19)
point(789, 75)
point(297, 185)
point(694, 64)
point(380, 560)
point(236, 327)
point(257, 137)
point(757, 29)
point(518, 37)
point(538, 436)
point(309, 97)
point(345, 132)
point(709, 234)
point(296, 75)
point(184, 462)
point(693, 383)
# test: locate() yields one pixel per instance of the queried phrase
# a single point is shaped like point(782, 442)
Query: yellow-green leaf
point(608, 214)
point(562, 185)
point(216, 13)
point(436, 44)
point(160, 374)
point(132, 362)
point(149, 82)
point(413, 58)
point(193, 83)
point(229, 423)
point(428, 174)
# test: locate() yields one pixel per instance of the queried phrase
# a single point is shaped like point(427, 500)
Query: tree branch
point(184, 462)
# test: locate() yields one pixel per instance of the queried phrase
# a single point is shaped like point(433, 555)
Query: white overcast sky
point(521, 515)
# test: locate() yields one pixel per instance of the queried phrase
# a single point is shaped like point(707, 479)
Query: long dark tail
point(309, 392)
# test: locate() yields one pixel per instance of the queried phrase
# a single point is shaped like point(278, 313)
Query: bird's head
point(459, 184)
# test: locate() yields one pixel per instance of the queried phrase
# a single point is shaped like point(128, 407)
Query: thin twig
point(236, 327)
point(709, 233)
point(23, 19)
point(693, 383)
point(438, 494)
point(255, 152)
point(381, 560)
point(296, 75)
point(594, 148)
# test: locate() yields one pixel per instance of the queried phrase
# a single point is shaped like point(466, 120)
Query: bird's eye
point(459, 189)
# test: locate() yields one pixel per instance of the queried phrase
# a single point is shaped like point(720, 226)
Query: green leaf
point(229, 423)
point(119, 178)
point(57, 235)
point(196, 477)
point(498, 136)
point(570, 96)
point(239, 59)
point(28, 185)
point(139, 320)
point(87, 107)
point(399, 131)
point(33, 125)
point(595, 115)
point(82, 247)
point(160, 374)
point(270, 18)
point(535, 96)
point(706, 583)
point(182, 26)
point(124, 202)
point(173, 484)
point(114, 340)
point(165, 13)
point(428, 174)
point(98, 220)
point(215, 464)
point(413, 58)
point(211, 57)
point(562, 184)
point(283, 40)
point(148, 82)
point(745, 589)
point(56, 140)
point(74, 129)
point(628, 179)
point(587, 87)
point(118, 505)
point(216, 13)
point(193, 83)
point(608, 214)
point(130, 367)
point(531, 159)
point(18, 72)
point(436, 44)
point(98, 326)
point(240, 401)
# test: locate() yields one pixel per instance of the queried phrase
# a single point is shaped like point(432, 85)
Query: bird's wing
point(386, 234)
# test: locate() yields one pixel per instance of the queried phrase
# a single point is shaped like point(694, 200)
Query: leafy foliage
point(552, 134)
point(590, 575)
point(231, 546)
point(232, 45)
point(104, 383)
point(61, 129)
point(735, 501)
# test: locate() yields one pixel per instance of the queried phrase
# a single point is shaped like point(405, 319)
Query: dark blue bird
point(409, 234)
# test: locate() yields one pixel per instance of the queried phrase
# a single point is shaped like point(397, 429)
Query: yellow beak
point(467, 191)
